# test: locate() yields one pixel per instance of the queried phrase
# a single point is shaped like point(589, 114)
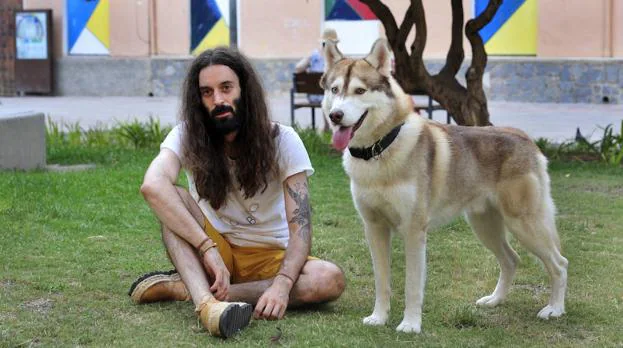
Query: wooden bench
point(309, 83)
point(305, 83)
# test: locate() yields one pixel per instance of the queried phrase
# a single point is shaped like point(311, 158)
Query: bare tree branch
point(383, 13)
point(403, 69)
point(422, 77)
point(468, 106)
point(479, 60)
point(455, 56)
point(419, 18)
point(405, 27)
point(475, 106)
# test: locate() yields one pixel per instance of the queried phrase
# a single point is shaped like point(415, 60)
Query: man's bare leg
point(320, 281)
point(220, 318)
point(184, 258)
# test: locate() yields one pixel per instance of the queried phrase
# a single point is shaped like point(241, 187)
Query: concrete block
point(22, 141)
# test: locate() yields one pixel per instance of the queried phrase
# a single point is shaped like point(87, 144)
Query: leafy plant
point(135, 134)
point(98, 136)
point(74, 133)
point(53, 133)
point(315, 142)
point(609, 148)
point(142, 134)
point(552, 150)
point(132, 132)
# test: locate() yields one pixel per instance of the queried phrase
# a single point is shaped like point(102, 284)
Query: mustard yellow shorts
point(246, 264)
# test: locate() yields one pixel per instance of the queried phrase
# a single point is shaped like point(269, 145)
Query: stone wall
point(102, 76)
point(556, 81)
point(509, 79)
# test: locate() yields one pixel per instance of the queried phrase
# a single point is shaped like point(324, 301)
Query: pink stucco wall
point(617, 28)
point(279, 28)
point(172, 27)
point(290, 28)
point(149, 28)
point(129, 28)
point(579, 28)
point(294, 29)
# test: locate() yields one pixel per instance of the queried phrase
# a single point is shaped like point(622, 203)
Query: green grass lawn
point(72, 243)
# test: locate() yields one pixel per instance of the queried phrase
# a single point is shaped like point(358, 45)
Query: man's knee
point(335, 277)
point(329, 283)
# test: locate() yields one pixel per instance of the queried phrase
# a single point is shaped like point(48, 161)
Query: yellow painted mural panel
point(218, 36)
point(518, 35)
point(99, 23)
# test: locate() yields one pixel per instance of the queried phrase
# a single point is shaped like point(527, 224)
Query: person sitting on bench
point(315, 61)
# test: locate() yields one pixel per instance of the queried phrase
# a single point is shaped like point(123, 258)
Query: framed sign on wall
point(33, 51)
point(31, 35)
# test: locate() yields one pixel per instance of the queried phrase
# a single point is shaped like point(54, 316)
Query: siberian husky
point(409, 175)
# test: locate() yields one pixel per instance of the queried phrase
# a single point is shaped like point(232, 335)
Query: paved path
point(556, 122)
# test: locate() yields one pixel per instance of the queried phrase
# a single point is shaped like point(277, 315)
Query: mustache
point(221, 109)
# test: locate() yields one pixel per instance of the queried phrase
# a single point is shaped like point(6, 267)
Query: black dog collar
point(372, 151)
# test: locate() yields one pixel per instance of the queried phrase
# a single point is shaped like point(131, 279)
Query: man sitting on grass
point(242, 233)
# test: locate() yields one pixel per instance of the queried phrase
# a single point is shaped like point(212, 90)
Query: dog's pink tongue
point(341, 137)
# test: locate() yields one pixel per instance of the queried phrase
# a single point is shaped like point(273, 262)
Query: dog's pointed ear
point(322, 81)
point(331, 54)
point(380, 57)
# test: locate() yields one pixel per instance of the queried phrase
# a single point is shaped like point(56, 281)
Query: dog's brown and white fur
point(431, 173)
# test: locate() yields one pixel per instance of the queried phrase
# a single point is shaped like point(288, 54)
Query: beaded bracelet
point(204, 246)
point(287, 276)
point(202, 243)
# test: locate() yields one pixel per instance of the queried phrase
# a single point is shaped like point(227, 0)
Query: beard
point(225, 125)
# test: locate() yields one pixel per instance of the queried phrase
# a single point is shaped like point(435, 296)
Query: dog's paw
point(410, 326)
point(490, 301)
point(550, 311)
point(375, 320)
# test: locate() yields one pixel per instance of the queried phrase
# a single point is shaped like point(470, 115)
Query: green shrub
point(608, 149)
point(142, 134)
point(134, 134)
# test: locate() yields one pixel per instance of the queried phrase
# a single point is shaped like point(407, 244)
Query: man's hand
point(214, 265)
point(273, 303)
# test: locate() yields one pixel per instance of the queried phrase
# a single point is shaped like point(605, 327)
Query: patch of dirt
point(616, 190)
point(4, 317)
point(69, 168)
point(536, 290)
point(40, 305)
point(6, 283)
point(98, 237)
point(580, 158)
point(35, 342)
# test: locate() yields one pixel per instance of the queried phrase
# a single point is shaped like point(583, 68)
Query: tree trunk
point(467, 105)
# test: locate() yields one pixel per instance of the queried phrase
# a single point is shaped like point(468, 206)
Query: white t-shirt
point(259, 221)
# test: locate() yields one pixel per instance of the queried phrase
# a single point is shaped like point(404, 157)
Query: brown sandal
point(224, 319)
point(159, 286)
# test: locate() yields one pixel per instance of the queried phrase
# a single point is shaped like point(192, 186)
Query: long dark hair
point(203, 148)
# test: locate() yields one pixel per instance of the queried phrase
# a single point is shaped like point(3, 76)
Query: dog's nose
point(336, 116)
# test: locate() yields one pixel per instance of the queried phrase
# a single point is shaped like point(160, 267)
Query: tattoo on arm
point(301, 215)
